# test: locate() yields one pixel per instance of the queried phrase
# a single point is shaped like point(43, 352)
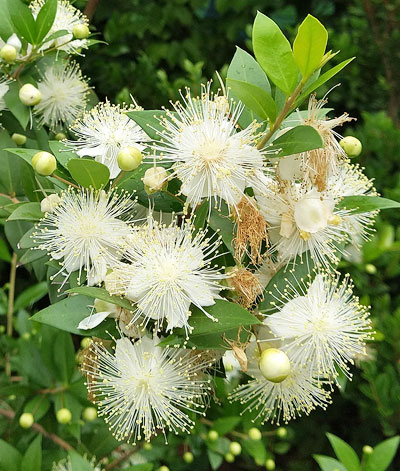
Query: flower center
point(167, 272)
point(311, 214)
point(210, 151)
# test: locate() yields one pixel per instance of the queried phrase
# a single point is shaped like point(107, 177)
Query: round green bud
point(351, 145)
point(163, 468)
point(2, 329)
point(80, 31)
point(188, 457)
point(8, 53)
point(86, 342)
point(89, 414)
point(129, 158)
point(63, 416)
point(281, 432)
point(44, 163)
point(213, 436)
point(19, 139)
point(235, 448)
point(370, 269)
point(254, 434)
point(155, 178)
point(60, 136)
point(229, 458)
point(274, 365)
point(367, 450)
point(12, 397)
point(147, 446)
point(48, 204)
point(26, 336)
point(29, 95)
point(26, 420)
point(270, 464)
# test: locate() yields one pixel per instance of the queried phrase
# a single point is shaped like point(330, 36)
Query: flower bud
point(274, 365)
point(48, 204)
point(19, 139)
point(155, 178)
point(29, 95)
point(188, 457)
point(147, 446)
point(63, 416)
point(80, 31)
point(213, 435)
point(367, 450)
point(8, 53)
point(86, 342)
point(270, 464)
point(129, 158)
point(254, 434)
point(311, 214)
point(60, 136)
point(229, 458)
point(14, 41)
point(26, 420)
point(281, 432)
point(351, 145)
point(163, 468)
point(44, 163)
point(370, 269)
point(235, 448)
point(89, 414)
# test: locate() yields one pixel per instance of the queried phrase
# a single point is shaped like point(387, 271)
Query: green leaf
point(64, 356)
point(26, 212)
point(6, 25)
point(13, 103)
point(56, 35)
point(257, 99)
point(4, 252)
point(215, 459)
point(223, 224)
point(148, 120)
point(246, 69)
point(382, 455)
point(10, 178)
point(364, 204)
point(309, 45)
point(345, 453)
point(274, 54)
point(296, 140)
point(31, 295)
point(23, 20)
point(78, 463)
point(140, 467)
point(89, 173)
point(10, 457)
point(256, 449)
point(37, 406)
point(68, 313)
point(322, 79)
point(101, 293)
point(225, 425)
point(45, 19)
point(62, 153)
point(32, 460)
point(26, 154)
point(326, 463)
point(201, 214)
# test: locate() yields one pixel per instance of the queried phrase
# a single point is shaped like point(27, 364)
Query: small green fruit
point(80, 31)
point(370, 269)
point(351, 145)
point(44, 163)
point(89, 414)
point(29, 95)
point(26, 420)
point(60, 136)
point(63, 416)
point(281, 432)
point(367, 450)
point(129, 158)
point(163, 468)
point(188, 457)
point(235, 448)
point(213, 435)
point(254, 434)
point(270, 464)
point(229, 458)
point(19, 139)
point(8, 53)
point(147, 446)
point(274, 365)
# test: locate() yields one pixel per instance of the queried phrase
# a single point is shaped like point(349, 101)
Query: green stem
point(65, 181)
point(10, 310)
point(118, 179)
point(174, 196)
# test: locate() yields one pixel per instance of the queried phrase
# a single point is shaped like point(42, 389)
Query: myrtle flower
point(211, 158)
point(64, 92)
point(4, 86)
point(85, 232)
point(168, 268)
point(142, 389)
point(300, 393)
point(66, 18)
point(322, 324)
point(103, 131)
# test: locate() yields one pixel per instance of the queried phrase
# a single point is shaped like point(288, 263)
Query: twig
point(91, 8)
point(10, 309)
point(65, 181)
point(118, 179)
point(122, 458)
point(10, 414)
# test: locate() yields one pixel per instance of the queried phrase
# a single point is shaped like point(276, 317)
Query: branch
point(91, 8)
point(10, 414)
point(122, 458)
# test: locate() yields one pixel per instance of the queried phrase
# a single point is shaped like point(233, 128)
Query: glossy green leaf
point(274, 54)
point(10, 457)
point(224, 425)
point(64, 356)
point(149, 120)
point(26, 154)
point(215, 459)
point(6, 24)
point(101, 293)
point(257, 99)
point(62, 153)
point(23, 20)
point(45, 19)
point(296, 140)
point(26, 212)
point(78, 463)
point(89, 173)
point(10, 180)
point(222, 223)
point(37, 406)
point(256, 449)
point(4, 252)
point(326, 463)
point(32, 460)
point(344, 452)
point(363, 204)
point(19, 110)
point(309, 45)
point(382, 455)
point(31, 295)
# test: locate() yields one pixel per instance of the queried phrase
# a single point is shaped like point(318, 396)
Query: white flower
point(143, 389)
point(64, 93)
point(66, 18)
point(4, 86)
point(322, 324)
point(85, 232)
point(210, 157)
point(105, 130)
point(168, 269)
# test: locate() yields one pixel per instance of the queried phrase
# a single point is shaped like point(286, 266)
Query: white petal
point(93, 320)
